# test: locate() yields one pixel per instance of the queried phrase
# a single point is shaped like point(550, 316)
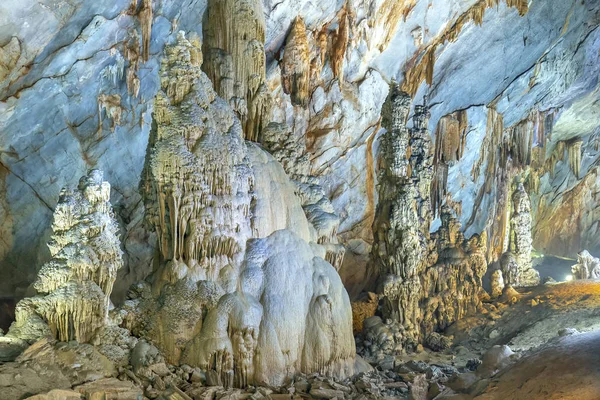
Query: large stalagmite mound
point(238, 291)
point(75, 286)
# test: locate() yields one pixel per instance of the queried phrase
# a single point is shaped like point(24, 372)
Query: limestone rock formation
point(398, 248)
point(497, 282)
point(426, 282)
point(451, 286)
point(75, 286)
point(521, 242)
point(236, 291)
point(587, 267)
point(296, 64)
point(290, 151)
point(234, 39)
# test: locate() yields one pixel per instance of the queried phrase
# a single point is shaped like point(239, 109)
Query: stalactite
point(521, 143)
point(390, 13)
point(76, 284)
point(145, 16)
point(114, 72)
point(296, 64)
point(497, 177)
point(450, 140)
point(574, 154)
point(132, 54)
point(339, 45)
point(234, 56)
point(112, 104)
point(420, 71)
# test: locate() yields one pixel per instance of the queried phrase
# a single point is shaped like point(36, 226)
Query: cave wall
point(80, 62)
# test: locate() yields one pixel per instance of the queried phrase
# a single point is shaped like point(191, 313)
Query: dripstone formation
point(399, 244)
point(426, 282)
point(516, 265)
point(234, 39)
point(238, 290)
point(587, 267)
point(75, 286)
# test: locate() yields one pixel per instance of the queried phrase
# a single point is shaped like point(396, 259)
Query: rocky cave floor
point(542, 343)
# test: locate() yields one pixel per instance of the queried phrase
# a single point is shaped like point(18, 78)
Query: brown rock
point(362, 309)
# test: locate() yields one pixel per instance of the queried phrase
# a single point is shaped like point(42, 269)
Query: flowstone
point(75, 286)
point(238, 290)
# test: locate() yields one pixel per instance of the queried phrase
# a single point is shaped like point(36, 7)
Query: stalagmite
point(290, 151)
point(245, 310)
point(76, 284)
point(497, 282)
point(397, 248)
point(451, 285)
point(421, 163)
point(587, 267)
point(295, 72)
point(521, 241)
point(234, 54)
point(426, 284)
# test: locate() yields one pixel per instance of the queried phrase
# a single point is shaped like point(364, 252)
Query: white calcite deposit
point(75, 286)
point(245, 309)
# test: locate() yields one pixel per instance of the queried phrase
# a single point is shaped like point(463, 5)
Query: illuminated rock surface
point(75, 286)
point(244, 309)
point(283, 172)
